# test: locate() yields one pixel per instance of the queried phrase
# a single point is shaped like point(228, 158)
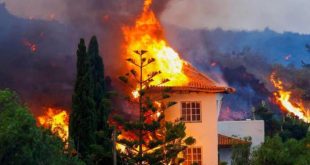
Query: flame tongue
point(57, 121)
point(283, 97)
point(147, 34)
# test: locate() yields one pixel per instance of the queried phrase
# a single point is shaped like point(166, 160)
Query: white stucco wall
point(205, 132)
point(253, 128)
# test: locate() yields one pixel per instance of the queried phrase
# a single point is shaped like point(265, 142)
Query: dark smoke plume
point(105, 19)
point(37, 57)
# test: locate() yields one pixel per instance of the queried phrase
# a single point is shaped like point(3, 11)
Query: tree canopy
point(89, 128)
point(21, 141)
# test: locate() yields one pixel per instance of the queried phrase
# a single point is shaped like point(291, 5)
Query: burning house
point(198, 98)
point(198, 105)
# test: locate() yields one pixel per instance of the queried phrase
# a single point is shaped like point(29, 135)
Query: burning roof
point(147, 34)
point(197, 82)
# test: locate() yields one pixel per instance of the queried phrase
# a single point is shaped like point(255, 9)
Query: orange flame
point(57, 121)
point(283, 97)
point(147, 34)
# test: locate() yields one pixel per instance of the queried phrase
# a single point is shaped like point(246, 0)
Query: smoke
point(45, 77)
point(245, 70)
point(279, 15)
point(295, 80)
point(40, 73)
point(39, 41)
point(37, 9)
point(105, 19)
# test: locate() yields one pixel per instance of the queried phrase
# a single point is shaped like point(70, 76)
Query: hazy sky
point(279, 15)
point(43, 9)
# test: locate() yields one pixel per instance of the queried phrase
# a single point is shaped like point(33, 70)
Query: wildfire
point(147, 34)
point(283, 97)
point(57, 120)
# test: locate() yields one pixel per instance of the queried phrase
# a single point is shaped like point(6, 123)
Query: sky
point(278, 15)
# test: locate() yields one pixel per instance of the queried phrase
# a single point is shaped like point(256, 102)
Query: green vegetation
point(89, 127)
point(22, 142)
point(241, 153)
point(287, 142)
point(277, 152)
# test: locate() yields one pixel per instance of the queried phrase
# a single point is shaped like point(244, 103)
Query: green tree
point(272, 151)
point(241, 153)
point(272, 124)
point(91, 107)
point(152, 140)
point(294, 128)
point(277, 152)
point(97, 68)
point(82, 125)
point(22, 142)
point(102, 151)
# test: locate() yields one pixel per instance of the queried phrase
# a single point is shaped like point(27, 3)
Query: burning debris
point(57, 120)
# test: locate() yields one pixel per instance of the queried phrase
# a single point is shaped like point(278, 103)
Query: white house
point(234, 130)
point(198, 105)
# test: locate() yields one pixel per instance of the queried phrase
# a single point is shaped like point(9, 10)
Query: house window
point(192, 156)
point(191, 111)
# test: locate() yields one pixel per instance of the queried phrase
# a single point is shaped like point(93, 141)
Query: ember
point(32, 46)
point(57, 120)
point(283, 97)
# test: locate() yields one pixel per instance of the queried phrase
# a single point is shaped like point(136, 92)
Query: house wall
point(205, 132)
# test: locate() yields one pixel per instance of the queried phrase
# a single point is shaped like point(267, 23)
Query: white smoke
point(278, 15)
point(37, 9)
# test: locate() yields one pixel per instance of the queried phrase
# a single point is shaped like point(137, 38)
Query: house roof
point(198, 82)
point(227, 142)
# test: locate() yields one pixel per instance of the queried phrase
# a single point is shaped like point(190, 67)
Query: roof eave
point(211, 89)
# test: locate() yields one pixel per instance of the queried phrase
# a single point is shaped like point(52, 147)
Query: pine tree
point(82, 125)
point(150, 139)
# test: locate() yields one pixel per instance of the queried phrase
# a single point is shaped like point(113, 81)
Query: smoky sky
point(56, 26)
point(278, 15)
point(45, 78)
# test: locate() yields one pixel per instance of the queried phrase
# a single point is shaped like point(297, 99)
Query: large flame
point(57, 120)
point(283, 97)
point(147, 34)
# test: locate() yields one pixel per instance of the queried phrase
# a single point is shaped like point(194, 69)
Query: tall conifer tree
point(102, 151)
point(100, 92)
point(83, 116)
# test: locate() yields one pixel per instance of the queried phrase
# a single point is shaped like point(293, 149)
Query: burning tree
point(149, 139)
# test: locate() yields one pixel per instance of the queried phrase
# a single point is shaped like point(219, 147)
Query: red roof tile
point(226, 141)
point(198, 82)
